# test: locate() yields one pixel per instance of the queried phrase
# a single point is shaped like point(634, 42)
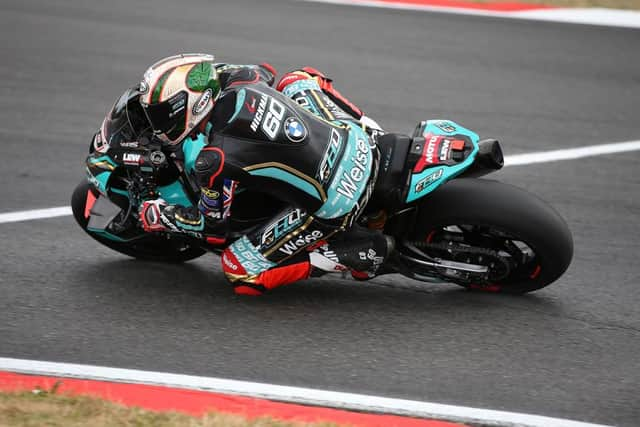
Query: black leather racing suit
point(298, 145)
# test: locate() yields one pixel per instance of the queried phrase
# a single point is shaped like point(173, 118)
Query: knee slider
point(249, 289)
point(208, 166)
point(236, 275)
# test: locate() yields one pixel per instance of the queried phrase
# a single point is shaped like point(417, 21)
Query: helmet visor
point(168, 117)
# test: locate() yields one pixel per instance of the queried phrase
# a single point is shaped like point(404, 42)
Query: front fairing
point(125, 123)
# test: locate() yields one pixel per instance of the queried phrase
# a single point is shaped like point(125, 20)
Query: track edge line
point(307, 396)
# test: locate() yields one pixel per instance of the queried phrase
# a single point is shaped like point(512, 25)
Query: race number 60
point(273, 118)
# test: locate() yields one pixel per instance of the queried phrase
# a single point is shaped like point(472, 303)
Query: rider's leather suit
point(303, 144)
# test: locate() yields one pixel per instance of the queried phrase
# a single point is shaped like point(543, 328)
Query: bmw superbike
point(449, 226)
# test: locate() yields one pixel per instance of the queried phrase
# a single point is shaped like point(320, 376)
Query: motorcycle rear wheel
point(493, 218)
point(148, 247)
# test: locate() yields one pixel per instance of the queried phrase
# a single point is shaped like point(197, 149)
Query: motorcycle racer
point(302, 142)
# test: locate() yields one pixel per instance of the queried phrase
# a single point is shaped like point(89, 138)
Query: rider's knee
point(237, 275)
point(244, 283)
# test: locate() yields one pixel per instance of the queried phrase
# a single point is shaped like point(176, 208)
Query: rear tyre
point(147, 247)
point(525, 241)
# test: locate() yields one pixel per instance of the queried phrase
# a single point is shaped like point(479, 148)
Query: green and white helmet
point(178, 93)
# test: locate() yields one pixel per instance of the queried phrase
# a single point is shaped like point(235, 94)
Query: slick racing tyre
point(145, 247)
point(523, 241)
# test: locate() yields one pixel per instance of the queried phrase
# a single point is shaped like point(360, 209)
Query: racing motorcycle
point(449, 225)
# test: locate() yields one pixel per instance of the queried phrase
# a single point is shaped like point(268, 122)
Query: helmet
point(177, 93)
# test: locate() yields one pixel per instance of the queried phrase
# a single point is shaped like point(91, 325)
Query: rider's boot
point(361, 251)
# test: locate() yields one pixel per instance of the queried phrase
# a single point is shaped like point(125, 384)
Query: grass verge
point(41, 408)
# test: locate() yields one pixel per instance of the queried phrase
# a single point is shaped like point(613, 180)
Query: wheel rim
point(510, 259)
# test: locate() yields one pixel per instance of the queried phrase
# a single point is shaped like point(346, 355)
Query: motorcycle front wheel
point(523, 242)
point(148, 247)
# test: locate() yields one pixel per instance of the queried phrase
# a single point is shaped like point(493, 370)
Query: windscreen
point(126, 121)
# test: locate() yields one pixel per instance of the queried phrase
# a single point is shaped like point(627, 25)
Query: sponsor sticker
point(294, 130)
point(300, 241)
point(299, 86)
point(251, 107)
point(336, 111)
point(431, 152)
point(257, 118)
point(429, 179)
point(348, 184)
point(445, 148)
point(177, 104)
point(330, 156)
point(131, 158)
point(229, 263)
point(445, 126)
point(214, 215)
point(130, 144)
point(202, 102)
point(211, 194)
point(430, 155)
point(282, 226)
point(94, 181)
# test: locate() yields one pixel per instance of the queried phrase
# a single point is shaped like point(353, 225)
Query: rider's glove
point(157, 215)
point(150, 214)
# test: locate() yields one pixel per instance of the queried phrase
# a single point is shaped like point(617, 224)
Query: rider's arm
point(218, 181)
point(235, 75)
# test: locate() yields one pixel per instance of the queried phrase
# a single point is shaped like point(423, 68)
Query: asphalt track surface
point(570, 350)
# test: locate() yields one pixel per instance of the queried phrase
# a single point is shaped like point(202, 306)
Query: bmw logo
point(294, 129)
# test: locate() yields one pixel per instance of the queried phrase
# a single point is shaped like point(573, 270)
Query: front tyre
point(148, 247)
point(523, 241)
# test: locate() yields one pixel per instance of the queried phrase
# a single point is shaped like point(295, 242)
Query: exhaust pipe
point(488, 159)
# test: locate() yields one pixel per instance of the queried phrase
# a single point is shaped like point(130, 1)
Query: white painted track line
point(591, 16)
point(514, 160)
point(571, 153)
point(34, 214)
point(306, 396)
